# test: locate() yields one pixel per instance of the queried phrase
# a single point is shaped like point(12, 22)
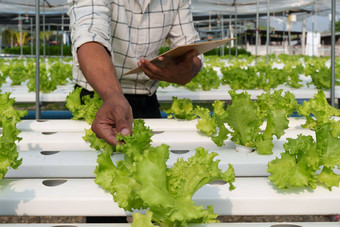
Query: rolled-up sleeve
point(90, 22)
point(183, 30)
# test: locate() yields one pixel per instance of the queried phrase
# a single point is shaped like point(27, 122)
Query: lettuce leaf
point(213, 126)
point(317, 110)
point(303, 157)
point(86, 111)
point(205, 80)
point(275, 108)
point(205, 123)
point(181, 109)
point(242, 117)
point(9, 117)
point(142, 220)
point(296, 167)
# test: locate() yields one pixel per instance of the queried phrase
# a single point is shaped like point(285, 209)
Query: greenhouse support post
point(284, 37)
point(48, 31)
point(223, 35)
point(62, 37)
point(37, 59)
point(236, 47)
point(230, 35)
point(245, 35)
point(313, 30)
point(44, 30)
point(268, 27)
point(333, 54)
point(257, 29)
point(0, 40)
point(20, 30)
point(31, 27)
point(303, 41)
point(289, 33)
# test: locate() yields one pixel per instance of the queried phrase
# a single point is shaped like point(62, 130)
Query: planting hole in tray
point(218, 182)
point(157, 132)
point(285, 225)
point(64, 226)
point(41, 120)
point(53, 183)
point(49, 152)
point(48, 133)
point(179, 151)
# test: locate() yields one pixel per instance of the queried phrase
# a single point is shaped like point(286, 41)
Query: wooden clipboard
point(200, 47)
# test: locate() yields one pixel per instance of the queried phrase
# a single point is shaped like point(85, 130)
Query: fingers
point(114, 116)
point(191, 54)
point(151, 70)
point(177, 70)
point(123, 126)
point(105, 132)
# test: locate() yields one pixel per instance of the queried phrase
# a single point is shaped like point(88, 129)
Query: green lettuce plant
point(9, 117)
point(274, 108)
point(243, 119)
point(181, 109)
point(309, 162)
point(143, 181)
point(213, 125)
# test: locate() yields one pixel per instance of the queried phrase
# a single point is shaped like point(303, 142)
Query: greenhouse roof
point(28, 6)
point(198, 6)
point(12, 11)
point(250, 6)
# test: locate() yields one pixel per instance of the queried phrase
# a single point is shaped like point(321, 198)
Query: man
point(110, 37)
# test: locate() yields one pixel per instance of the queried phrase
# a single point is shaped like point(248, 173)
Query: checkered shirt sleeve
point(129, 30)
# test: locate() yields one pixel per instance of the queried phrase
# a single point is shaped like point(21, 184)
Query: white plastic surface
point(243, 149)
point(177, 140)
point(63, 155)
point(55, 148)
point(82, 197)
point(21, 94)
point(267, 224)
point(166, 94)
point(52, 125)
point(155, 124)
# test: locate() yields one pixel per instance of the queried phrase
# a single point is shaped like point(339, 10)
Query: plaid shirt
point(130, 30)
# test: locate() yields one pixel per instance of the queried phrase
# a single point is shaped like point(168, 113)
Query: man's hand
point(114, 116)
point(179, 71)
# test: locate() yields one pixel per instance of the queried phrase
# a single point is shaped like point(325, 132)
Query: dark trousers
point(143, 106)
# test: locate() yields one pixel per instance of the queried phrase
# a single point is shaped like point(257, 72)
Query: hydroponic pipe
point(37, 57)
point(333, 55)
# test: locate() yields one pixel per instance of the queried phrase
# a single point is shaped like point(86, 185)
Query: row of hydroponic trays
point(301, 75)
point(249, 157)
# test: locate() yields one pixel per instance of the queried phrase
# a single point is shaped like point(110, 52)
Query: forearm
point(98, 69)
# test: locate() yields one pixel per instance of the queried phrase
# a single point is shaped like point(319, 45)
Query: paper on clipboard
point(200, 48)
